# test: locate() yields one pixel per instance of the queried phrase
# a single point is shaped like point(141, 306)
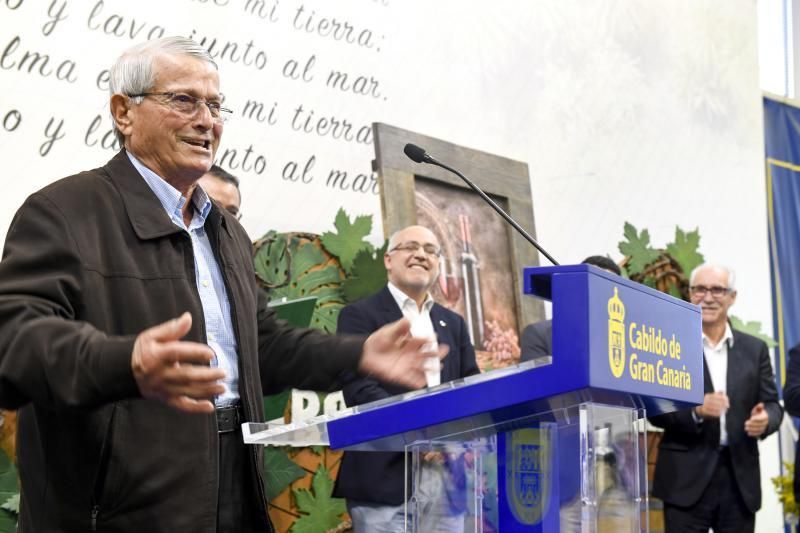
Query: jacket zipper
point(214, 435)
point(223, 263)
point(102, 471)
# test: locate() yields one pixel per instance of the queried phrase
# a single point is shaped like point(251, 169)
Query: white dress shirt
point(421, 323)
point(421, 328)
point(717, 361)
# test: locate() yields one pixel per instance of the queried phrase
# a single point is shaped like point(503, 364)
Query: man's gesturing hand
point(391, 354)
point(714, 405)
point(756, 425)
point(174, 371)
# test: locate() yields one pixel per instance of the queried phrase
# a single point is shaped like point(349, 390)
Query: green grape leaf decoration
point(685, 250)
point(271, 260)
point(319, 511)
point(279, 471)
point(295, 265)
point(275, 404)
point(317, 450)
point(368, 275)
point(9, 494)
point(12, 504)
point(637, 247)
point(753, 328)
point(348, 239)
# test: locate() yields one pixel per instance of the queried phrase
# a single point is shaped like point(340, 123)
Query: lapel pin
point(441, 323)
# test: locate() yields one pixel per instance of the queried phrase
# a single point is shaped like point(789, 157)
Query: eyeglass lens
point(413, 246)
point(701, 290)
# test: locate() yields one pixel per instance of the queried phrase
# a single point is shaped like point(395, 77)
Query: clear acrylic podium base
point(581, 467)
point(577, 469)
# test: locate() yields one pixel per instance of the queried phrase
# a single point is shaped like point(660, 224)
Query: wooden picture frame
point(505, 180)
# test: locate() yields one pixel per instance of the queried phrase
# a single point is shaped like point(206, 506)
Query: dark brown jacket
point(89, 262)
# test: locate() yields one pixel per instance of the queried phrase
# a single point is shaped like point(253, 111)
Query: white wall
point(626, 110)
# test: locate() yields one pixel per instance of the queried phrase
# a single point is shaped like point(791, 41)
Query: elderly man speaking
point(133, 337)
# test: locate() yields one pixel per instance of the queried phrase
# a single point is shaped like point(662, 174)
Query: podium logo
point(616, 334)
point(529, 473)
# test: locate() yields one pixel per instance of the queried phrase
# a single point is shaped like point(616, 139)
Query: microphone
point(418, 155)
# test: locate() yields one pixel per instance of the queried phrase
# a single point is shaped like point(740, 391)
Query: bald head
point(409, 233)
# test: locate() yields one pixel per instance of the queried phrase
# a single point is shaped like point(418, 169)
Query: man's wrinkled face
point(179, 147)
point(412, 261)
point(711, 292)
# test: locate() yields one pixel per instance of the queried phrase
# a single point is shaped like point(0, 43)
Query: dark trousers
point(236, 511)
point(720, 507)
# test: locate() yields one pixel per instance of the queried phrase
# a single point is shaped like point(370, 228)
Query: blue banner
point(782, 135)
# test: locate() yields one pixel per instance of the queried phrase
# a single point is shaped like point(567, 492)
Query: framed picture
point(482, 256)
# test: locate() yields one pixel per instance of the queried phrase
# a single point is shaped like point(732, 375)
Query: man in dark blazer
point(707, 471)
point(537, 338)
point(791, 401)
point(373, 482)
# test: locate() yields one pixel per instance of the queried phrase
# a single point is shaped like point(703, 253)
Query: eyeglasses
point(414, 246)
point(716, 291)
point(188, 105)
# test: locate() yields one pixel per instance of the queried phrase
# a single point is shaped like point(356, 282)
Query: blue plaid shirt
point(210, 285)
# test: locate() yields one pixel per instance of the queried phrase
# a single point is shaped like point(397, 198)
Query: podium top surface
point(615, 342)
point(538, 282)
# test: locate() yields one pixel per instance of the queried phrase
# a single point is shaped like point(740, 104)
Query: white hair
point(132, 72)
point(728, 270)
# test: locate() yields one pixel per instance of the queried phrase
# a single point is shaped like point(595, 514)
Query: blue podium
point(556, 444)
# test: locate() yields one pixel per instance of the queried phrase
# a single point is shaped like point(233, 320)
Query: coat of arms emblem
point(529, 473)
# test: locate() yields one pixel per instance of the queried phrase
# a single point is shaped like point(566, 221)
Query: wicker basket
point(665, 272)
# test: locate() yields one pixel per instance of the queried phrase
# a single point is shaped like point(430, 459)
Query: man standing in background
point(791, 401)
point(223, 187)
point(374, 483)
point(707, 471)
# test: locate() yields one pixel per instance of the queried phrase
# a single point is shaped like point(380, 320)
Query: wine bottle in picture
point(472, 285)
point(450, 282)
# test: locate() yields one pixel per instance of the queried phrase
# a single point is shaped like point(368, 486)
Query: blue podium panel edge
point(477, 410)
point(487, 401)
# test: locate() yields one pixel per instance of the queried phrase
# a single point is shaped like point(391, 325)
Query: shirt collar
point(402, 298)
point(171, 199)
point(726, 338)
